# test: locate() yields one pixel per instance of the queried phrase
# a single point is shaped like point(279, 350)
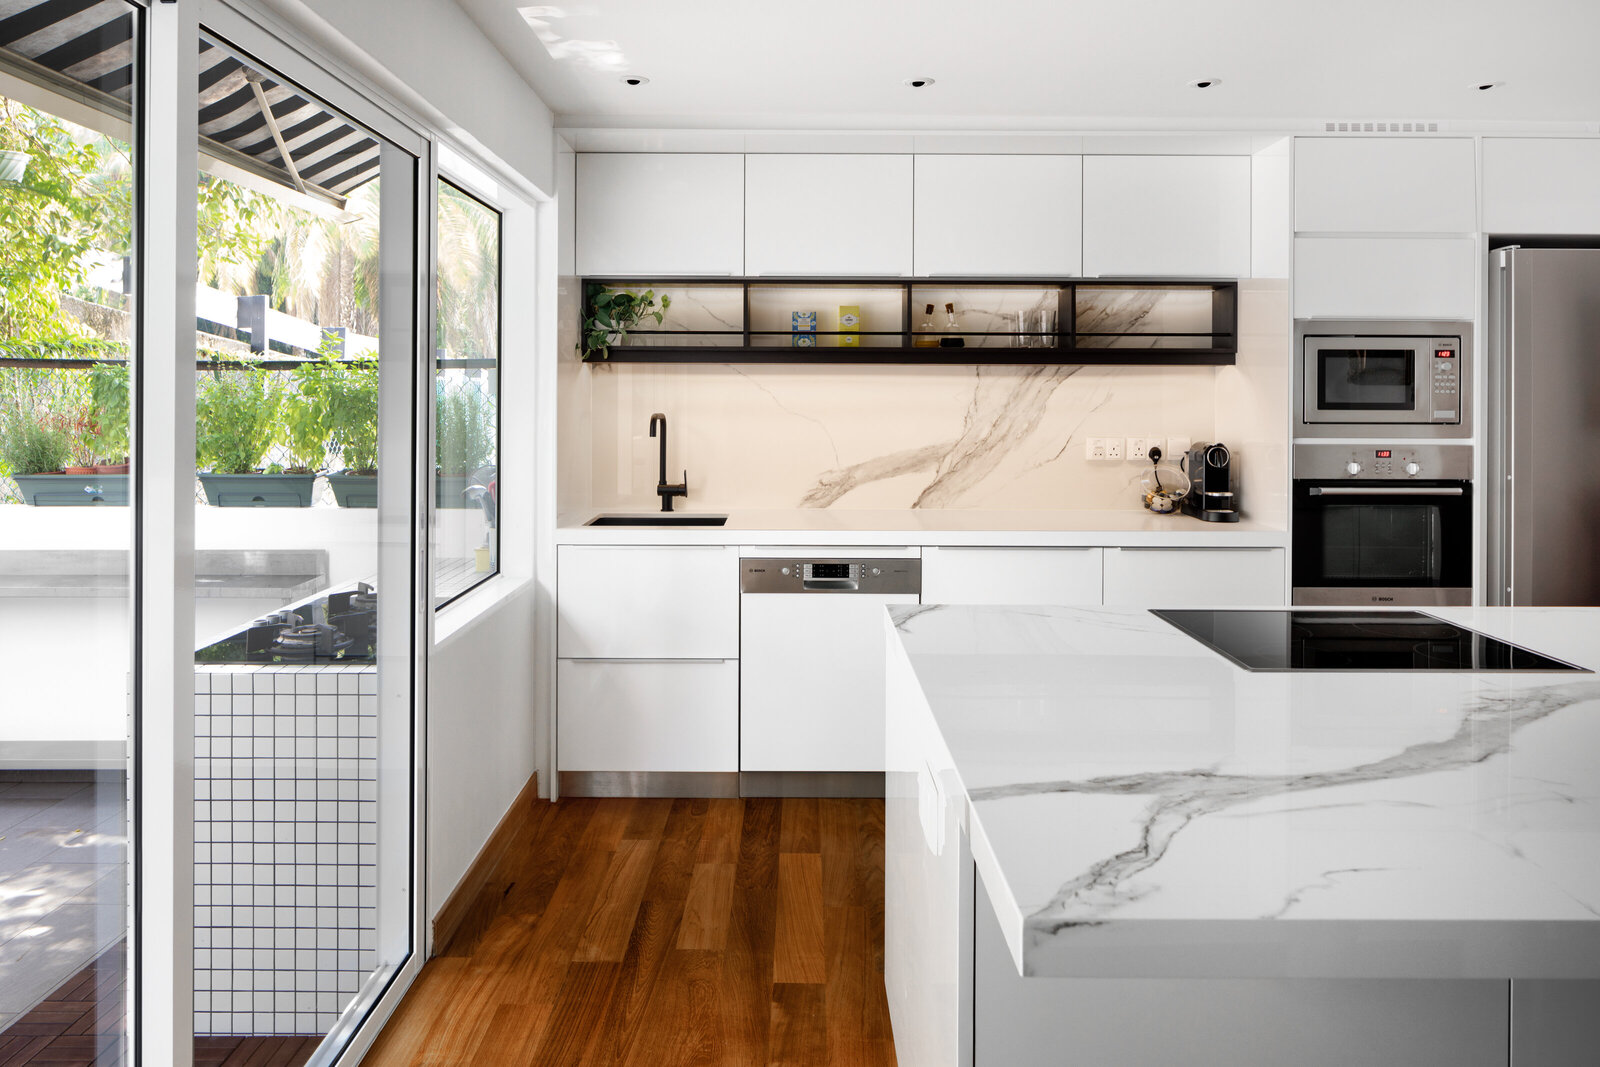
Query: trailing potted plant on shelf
point(463, 444)
point(337, 401)
point(237, 421)
point(608, 315)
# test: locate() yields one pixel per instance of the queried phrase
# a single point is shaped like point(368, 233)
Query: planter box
point(354, 490)
point(73, 490)
point(258, 490)
point(448, 489)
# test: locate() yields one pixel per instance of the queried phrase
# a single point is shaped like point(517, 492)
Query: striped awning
point(90, 42)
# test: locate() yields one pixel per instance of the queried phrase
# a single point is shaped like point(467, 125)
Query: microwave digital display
point(1366, 379)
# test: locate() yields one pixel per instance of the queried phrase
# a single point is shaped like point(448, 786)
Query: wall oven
point(1384, 379)
point(1383, 524)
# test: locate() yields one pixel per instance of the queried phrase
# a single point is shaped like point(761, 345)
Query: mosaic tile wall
point(285, 845)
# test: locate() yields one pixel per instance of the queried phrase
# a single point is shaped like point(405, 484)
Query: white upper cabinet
point(1166, 215)
point(827, 215)
point(999, 215)
point(1385, 277)
point(1541, 185)
point(1385, 185)
point(660, 214)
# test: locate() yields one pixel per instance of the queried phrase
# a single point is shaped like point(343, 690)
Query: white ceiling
point(1042, 65)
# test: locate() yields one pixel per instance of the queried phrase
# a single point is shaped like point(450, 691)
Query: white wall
point(483, 734)
point(432, 58)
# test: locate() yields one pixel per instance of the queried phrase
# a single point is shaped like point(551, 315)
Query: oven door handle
point(1386, 490)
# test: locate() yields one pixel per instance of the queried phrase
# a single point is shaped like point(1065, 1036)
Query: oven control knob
point(1352, 467)
point(877, 571)
point(1413, 468)
point(784, 570)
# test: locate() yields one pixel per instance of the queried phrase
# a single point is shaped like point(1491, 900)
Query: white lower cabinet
point(647, 602)
point(961, 575)
point(648, 715)
point(1195, 577)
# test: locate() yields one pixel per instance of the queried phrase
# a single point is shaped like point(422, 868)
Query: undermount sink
point(664, 519)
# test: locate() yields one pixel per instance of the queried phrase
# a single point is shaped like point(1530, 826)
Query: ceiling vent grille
point(1380, 127)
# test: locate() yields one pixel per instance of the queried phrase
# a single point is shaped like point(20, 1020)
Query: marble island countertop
point(1139, 806)
point(929, 526)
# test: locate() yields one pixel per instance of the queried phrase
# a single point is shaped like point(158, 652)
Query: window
point(466, 526)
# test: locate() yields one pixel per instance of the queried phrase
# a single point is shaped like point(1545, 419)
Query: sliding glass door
point(307, 552)
point(69, 160)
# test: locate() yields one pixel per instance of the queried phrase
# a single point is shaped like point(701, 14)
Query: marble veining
point(1485, 730)
point(1140, 806)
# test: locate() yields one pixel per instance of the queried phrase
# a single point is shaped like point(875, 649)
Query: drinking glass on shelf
point(1041, 327)
point(1021, 338)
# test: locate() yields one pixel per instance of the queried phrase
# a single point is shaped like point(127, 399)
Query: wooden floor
point(661, 933)
point(83, 1023)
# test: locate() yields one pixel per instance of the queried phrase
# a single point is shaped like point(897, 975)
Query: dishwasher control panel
point(830, 576)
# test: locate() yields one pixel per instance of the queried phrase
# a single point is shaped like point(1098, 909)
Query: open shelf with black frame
point(1125, 321)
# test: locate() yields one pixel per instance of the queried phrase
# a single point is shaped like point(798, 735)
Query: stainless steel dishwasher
point(811, 671)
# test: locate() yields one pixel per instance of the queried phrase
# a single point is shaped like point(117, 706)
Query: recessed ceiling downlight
point(1484, 87)
point(919, 83)
point(634, 79)
point(1205, 83)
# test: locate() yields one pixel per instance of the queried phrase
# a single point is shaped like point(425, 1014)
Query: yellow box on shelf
point(849, 325)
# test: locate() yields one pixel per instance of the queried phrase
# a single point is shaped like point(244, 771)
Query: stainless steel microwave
point(1356, 379)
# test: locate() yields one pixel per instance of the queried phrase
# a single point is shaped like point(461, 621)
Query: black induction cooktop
point(1353, 640)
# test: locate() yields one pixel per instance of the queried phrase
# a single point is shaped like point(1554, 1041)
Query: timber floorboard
point(665, 933)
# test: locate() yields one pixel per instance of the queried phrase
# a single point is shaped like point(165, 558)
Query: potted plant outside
point(50, 455)
point(237, 420)
point(463, 443)
point(339, 399)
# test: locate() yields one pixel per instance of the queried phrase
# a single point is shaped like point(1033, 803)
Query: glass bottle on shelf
point(925, 337)
point(952, 337)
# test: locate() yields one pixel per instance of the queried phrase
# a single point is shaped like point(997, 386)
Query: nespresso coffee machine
point(1211, 491)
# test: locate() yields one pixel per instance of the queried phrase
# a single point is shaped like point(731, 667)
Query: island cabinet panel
point(656, 213)
point(1540, 185)
point(1557, 1024)
point(999, 215)
point(828, 215)
point(928, 883)
point(648, 715)
point(1166, 215)
point(1385, 277)
point(1010, 575)
point(1385, 185)
point(1212, 1022)
point(1195, 577)
point(649, 602)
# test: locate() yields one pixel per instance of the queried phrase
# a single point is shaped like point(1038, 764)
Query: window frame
point(442, 176)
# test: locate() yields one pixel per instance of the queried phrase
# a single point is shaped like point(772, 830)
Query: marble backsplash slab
point(889, 437)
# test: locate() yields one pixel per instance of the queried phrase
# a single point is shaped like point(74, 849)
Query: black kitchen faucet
point(665, 491)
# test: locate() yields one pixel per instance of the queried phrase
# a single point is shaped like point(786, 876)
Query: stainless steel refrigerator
point(1543, 492)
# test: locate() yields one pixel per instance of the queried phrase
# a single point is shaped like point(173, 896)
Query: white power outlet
point(1176, 447)
point(1094, 448)
point(1113, 448)
point(1139, 447)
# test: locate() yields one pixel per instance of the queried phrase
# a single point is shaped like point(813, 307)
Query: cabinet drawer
point(694, 204)
point(647, 716)
point(647, 602)
point(1010, 575)
point(1194, 577)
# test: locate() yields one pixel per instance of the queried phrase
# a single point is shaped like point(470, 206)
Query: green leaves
point(236, 418)
point(334, 408)
point(611, 313)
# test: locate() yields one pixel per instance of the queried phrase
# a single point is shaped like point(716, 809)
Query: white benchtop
point(942, 526)
point(1139, 806)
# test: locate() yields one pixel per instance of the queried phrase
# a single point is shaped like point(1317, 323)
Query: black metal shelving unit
point(1070, 344)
